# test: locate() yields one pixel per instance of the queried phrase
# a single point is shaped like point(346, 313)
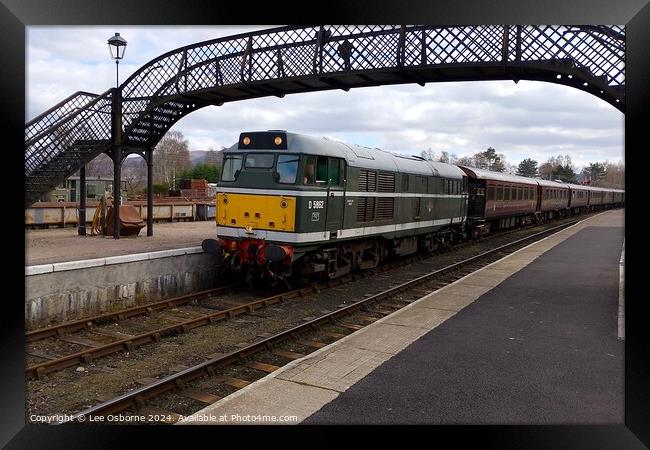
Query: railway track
point(103, 341)
point(192, 388)
point(93, 321)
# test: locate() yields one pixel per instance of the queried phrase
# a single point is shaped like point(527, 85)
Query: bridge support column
point(82, 200)
point(116, 134)
point(149, 158)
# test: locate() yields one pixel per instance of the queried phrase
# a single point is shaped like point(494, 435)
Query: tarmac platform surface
point(529, 339)
point(65, 244)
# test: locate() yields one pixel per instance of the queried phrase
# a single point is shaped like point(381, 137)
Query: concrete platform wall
point(72, 290)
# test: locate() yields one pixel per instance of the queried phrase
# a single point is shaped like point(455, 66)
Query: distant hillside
point(206, 156)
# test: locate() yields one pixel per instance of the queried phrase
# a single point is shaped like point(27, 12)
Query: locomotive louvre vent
point(367, 181)
point(366, 209)
point(417, 207)
point(385, 208)
point(386, 182)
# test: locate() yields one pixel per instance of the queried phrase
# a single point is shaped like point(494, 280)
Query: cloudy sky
point(525, 120)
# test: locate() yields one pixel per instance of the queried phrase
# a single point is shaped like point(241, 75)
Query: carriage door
point(334, 173)
point(476, 200)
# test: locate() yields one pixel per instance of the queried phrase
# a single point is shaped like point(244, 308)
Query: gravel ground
point(76, 388)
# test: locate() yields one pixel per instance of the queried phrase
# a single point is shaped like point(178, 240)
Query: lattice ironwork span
point(291, 60)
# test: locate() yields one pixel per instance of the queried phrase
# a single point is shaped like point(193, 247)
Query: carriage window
point(520, 193)
point(231, 167)
point(491, 193)
point(499, 192)
point(259, 160)
point(287, 168)
point(506, 193)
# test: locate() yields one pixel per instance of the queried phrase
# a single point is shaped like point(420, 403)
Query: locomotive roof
point(364, 157)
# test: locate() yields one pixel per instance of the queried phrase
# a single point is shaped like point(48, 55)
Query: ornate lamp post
point(117, 46)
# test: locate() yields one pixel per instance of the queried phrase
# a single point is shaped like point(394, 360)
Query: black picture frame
point(15, 15)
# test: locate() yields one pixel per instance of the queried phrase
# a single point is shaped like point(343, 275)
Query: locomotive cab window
point(287, 169)
point(335, 169)
point(231, 167)
point(259, 160)
point(319, 170)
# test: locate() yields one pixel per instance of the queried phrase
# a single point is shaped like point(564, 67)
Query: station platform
point(529, 339)
point(65, 244)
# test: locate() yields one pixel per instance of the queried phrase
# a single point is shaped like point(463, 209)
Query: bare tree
point(134, 174)
point(546, 170)
point(615, 176)
point(467, 161)
point(171, 157)
point(214, 158)
point(101, 166)
point(429, 154)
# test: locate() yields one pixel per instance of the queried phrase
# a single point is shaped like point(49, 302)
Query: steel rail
point(90, 322)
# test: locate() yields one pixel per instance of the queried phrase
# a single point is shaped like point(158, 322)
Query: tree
point(428, 154)
point(594, 173)
point(171, 158)
point(134, 174)
point(564, 173)
point(101, 166)
point(527, 168)
point(546, 170)
point(490, 160)
point(615, 176)
point(558, 168)
point(207, 172)
point(467, 161)
point(213, 158)
point(498, 165)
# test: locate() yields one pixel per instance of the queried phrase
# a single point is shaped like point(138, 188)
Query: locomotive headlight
point(277, 140)
point(246, 140)
point(283, 204)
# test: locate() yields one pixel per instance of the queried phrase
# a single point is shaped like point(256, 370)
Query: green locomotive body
point(291, 203)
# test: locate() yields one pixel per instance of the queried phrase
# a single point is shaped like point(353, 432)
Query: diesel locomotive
point(291, 204)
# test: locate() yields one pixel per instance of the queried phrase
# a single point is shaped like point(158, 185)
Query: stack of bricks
point(194, 188)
